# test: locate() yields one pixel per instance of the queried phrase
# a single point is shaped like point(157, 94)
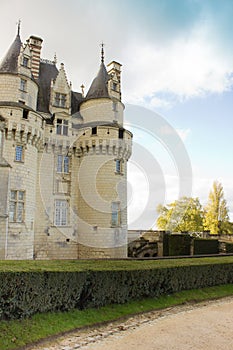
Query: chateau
point(63, 160)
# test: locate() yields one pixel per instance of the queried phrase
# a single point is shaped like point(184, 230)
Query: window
point(121, 133)
point(61, 210)
point(57, 99)
point(19, 153)
point(63, 100)
point(115, 214)
point(1, 142)
point(114, 86)
point(114, 106)
point(16, 208)
point(62, 127)
point(94, 131)
point(60, 100)
point(62, 164)
point(25, 61)
point(66, 164)
point(23, 84)
point(118, 166)
point(25, 114)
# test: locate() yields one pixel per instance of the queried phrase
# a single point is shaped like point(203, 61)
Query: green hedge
point(176, 244)
point(25, 293)
point(205, 246)
point(179, 245)
point(229, 247)
point(166, 244)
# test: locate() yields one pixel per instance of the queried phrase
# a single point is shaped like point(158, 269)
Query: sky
point(177, 84)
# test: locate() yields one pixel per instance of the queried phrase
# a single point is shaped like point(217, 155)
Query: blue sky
point(177, 58)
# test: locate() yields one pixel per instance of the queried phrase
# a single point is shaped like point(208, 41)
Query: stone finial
point(82, 89)
point(102, 52)
point(55, 58)
point(18, 27)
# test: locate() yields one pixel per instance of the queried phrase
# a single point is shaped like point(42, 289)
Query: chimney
point(35, 46)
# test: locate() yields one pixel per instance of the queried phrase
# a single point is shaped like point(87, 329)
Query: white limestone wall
point(102, 110)
point(99, 186)
point(51, 241)
point(10, 89)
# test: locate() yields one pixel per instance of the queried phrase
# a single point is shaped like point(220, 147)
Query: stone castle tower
point(63, 160)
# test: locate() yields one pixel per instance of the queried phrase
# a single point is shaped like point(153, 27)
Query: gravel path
point(204, 326)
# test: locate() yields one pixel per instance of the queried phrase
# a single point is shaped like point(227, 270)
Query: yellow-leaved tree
point(216, 218)
point(184, 214)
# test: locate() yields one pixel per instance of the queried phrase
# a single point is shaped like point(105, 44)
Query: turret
point(17, 84)
point(103, 148)
point(102, 104)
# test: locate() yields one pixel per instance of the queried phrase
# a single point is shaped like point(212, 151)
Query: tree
point(216, 218)
point(185, 214)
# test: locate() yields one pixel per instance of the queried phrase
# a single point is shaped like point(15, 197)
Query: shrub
point(205, 246)
point(179, 244)
point(229, 247)
point(23, 294)
point(176, 244)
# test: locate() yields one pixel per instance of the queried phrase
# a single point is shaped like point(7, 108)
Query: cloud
point(180, 49)
point(186, 68)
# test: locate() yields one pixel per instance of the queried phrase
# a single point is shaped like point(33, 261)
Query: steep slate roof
point(48, 72)
point(76, 99)
point(99, 86)
point(9, 63)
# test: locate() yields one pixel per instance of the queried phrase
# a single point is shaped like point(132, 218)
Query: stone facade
point(63, 160)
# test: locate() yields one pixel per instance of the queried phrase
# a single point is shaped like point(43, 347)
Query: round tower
point(103, 149)
point(21, 139)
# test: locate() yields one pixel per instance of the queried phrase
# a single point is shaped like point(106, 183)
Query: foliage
point(17, 333)
point(23, 294)
point(185, 214)
point(205, 246)
point(216, 218)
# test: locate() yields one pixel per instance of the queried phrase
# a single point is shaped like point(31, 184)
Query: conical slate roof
point(99, 87)
point(10, 61)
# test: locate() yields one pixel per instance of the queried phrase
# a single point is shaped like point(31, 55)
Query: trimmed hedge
point(205, 246)
point(23, 294)
point(229, 247)
point(166, 244)
point(176, 244)
point(179, 245)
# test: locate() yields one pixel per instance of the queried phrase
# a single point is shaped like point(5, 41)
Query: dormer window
point(60, 100)
point(25, 61)
point(62, 127)
point(114, 86)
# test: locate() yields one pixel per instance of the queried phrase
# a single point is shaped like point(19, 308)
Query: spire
point(9, 64)
point(99, 86)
